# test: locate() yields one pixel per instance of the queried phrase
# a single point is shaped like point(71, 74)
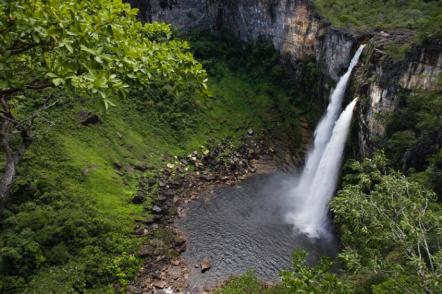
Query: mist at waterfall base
point(308, 197)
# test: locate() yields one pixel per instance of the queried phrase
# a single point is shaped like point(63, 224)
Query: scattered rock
point(146, 250)
point(149, 221)
point(205, 264)
point(179, 241)
point(88, 118)
point(156, 209)
point(168, 192)
point(176, 199)
point(174, 272)
point(85, 171)
point(133, 290)
point(141, 232)
point(157, 243)
point(142, 167)
point(161, 198)
point(207, 177)
point(151, 182)
point(181, 248)
point(250, 132)
point(129, 168)
point(117, 166)
point(160, 284)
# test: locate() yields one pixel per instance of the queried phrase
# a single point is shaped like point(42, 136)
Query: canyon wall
point(382, 79)
point(292, 26)
point(298, 33)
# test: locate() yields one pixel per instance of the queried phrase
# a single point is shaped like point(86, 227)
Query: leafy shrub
point(390, 229)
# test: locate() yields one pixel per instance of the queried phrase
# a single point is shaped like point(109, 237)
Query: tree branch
point(29, 86)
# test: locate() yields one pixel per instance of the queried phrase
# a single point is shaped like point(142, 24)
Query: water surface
point(242, 229)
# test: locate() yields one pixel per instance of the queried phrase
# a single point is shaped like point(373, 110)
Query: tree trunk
point(7, 178)
point(12, 156)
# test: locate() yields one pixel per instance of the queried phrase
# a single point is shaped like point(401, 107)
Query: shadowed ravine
point(242, 229)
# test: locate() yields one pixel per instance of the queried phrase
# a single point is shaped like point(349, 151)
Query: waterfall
point(312, 219)
point(317, 181)
point(324, 129)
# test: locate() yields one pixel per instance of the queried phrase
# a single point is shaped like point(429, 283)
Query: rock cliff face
point(298, 33)
point(383, 79)
point(293, 27)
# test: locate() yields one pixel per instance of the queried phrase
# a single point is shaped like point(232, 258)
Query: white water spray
point(318, 180)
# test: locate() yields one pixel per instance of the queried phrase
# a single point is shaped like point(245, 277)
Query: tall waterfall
point(317, 182)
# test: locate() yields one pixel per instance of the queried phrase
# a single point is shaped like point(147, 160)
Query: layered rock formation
point(292, 25)
point(383, 79)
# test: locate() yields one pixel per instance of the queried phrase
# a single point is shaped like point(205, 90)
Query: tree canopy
point(92, 49)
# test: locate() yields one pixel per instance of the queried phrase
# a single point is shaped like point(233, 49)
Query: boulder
point(179, 241)
point(168, 192)
point(142, 167)
point(174, 272)
point(252, 169)
point(160, 284)
point(207, 177)
point(138, 199)
point(117, 166)
point(146, 250)
point(141, 232)
point(88, 118)
point(157, 243)
point(205, 264)
point(133, 290)
point(156, 209)
point(162, 198)
point(129, 168)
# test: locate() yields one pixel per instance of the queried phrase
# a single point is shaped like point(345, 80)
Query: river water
point(241, 229)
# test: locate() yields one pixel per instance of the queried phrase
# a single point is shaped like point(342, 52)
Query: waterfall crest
point(317, 182)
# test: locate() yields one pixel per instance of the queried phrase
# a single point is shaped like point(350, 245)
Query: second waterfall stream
point(317, 182)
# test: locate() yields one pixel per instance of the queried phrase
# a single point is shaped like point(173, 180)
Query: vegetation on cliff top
point(424, 17)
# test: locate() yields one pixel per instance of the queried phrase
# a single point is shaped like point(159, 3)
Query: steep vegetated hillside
point(68, 225)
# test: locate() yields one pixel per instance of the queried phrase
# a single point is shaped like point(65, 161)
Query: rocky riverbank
point(182, 181)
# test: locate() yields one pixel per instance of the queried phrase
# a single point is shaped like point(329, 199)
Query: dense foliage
point(414, 137)
point(421, 16)
point(390, 229)
point(96, 48)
